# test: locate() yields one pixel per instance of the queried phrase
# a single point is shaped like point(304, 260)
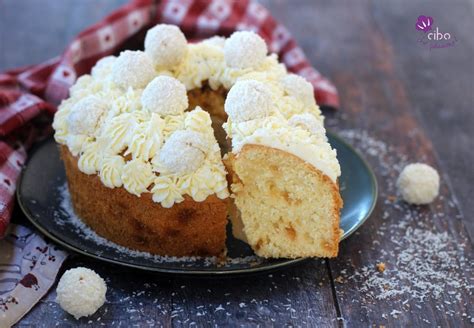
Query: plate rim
point(374, 185)
point(184, 271)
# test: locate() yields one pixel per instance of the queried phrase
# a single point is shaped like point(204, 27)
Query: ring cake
point(161, 146)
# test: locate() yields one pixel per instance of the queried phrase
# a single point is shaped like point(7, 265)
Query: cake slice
point(284, 172)
point(287, 207)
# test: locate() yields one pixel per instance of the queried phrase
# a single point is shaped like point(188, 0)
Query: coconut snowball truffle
point(183, 152)
point(244, 50)
point(103, 66)
point(81, 292)
point(166, 45)
point(132, 69)
point(418, 184)
point(86, 115)
point(165, 96)
point(248, 100)
point(307, 122)
point(298, 87)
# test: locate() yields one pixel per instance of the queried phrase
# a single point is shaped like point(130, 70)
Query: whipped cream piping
point(122, 138)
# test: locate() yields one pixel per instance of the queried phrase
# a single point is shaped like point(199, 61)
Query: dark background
point(420, 101)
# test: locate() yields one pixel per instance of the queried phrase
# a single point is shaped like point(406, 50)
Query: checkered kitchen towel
point(26, 93)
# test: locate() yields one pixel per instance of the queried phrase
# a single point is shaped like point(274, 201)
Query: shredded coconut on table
point(426, 266)
point(422, 263)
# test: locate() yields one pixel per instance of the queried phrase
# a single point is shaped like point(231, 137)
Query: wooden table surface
point(401, 103)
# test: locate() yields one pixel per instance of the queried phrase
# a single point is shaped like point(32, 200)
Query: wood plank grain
point(298, 297)
point(380, 79)
point(376, 105)
point(134, 299)
point(439, 84)
point(301, 296)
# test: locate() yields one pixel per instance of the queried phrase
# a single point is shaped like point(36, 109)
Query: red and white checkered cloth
point(27, 92)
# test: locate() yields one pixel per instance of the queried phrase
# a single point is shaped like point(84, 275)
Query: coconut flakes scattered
point(66, 216)
point(421, 264)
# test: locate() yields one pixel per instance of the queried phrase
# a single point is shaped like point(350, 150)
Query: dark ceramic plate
point(41, 199)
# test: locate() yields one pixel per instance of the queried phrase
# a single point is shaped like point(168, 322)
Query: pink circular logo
point(424, 23)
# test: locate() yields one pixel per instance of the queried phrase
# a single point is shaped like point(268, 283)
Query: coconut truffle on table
point(418, 184)
point(81, 292)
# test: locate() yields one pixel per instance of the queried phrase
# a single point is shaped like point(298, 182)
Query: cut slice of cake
point(287, 207)
point(284, 172)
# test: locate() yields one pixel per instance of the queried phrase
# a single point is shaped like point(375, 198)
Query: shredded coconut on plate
point(89, 234)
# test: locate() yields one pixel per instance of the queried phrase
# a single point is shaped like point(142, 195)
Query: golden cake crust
point(188, 228)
